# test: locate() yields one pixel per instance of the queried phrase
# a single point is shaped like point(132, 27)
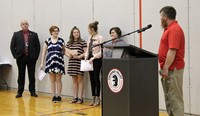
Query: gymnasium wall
point(41, 14)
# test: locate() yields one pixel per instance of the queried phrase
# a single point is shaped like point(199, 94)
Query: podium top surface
point(130, 50)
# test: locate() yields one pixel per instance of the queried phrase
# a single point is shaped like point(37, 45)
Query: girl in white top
point(94, 54)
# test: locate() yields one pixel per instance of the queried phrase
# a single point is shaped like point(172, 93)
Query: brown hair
point(71, 37)
point(117, 30)
point(169, 11)
point(94, 26)
point(51, 29)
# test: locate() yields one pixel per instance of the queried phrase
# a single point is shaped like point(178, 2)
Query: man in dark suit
point(25, 48)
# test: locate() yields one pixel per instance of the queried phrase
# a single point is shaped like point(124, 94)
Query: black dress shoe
point(18, 95)
point(34, 95)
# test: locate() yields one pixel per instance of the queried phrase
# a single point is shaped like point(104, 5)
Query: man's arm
point(37, 45)
point(13, 46)
point(169, 60)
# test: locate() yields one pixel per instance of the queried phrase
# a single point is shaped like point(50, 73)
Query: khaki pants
point(173, 91)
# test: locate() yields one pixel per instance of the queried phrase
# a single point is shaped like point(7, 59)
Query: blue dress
point(54, 57)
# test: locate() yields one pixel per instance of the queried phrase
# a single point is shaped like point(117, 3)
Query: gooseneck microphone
point(144, 28)
point(138, 31)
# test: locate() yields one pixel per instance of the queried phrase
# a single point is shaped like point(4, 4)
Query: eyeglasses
point(55, 31)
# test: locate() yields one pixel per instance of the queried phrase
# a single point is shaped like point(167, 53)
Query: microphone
point(144, 28)
point(139, 31)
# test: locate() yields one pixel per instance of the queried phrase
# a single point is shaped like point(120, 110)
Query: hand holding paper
point(41, 74)
point(86, 65)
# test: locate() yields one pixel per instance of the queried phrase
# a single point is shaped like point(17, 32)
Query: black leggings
point(94, 77)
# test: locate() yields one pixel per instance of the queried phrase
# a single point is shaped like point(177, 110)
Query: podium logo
point(115, 80)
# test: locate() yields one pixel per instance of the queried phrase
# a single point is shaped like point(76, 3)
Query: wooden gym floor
point(42, 106)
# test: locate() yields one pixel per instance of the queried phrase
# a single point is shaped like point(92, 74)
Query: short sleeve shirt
point(172, 38)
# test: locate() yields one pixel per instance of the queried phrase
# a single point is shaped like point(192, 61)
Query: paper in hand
point(41, 74)
point(86, 66)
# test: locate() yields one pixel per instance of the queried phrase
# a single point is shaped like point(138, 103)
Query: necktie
point(26, 42)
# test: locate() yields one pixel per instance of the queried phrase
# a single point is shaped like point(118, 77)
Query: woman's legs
point(92, 87)
point(56, 85)
point(95, 81)
point(59, 83)
point(53, 86)
point(75, 86)
point(53, 83)
point(97, 64)
point(80, 85)
point(92, 82)
point(75, 89)
point(81, 88)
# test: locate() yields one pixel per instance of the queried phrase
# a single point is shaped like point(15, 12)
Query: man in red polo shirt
point(171, 59)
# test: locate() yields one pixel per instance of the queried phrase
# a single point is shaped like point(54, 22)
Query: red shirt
point(172, 38)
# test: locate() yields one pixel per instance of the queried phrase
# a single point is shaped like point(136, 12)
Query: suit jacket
point(17, 45)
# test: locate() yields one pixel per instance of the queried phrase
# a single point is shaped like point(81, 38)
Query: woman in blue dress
point(53, 49)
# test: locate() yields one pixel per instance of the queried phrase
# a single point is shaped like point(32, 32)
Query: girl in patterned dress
point(53, 50)
point(75, 50)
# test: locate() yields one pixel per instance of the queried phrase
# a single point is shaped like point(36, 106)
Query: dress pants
point(95, 77)
point(22, 62)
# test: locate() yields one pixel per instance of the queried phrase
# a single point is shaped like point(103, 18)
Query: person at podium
point(115, 33)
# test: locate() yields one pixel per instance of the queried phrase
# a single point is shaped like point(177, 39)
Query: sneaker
point(54, 99)
point(59, 99)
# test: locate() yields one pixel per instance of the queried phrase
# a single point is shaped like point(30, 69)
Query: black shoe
point(54, 99)
point(34, 94)
point(59, 99)
point(18, 95)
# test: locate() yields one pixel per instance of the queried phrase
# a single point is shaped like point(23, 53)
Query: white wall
point(151, 38)
point(189, 20)
point(194, 55)
point(41, 14)
point(112, 13)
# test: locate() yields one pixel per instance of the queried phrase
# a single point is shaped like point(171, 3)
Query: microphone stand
point(101, 44)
